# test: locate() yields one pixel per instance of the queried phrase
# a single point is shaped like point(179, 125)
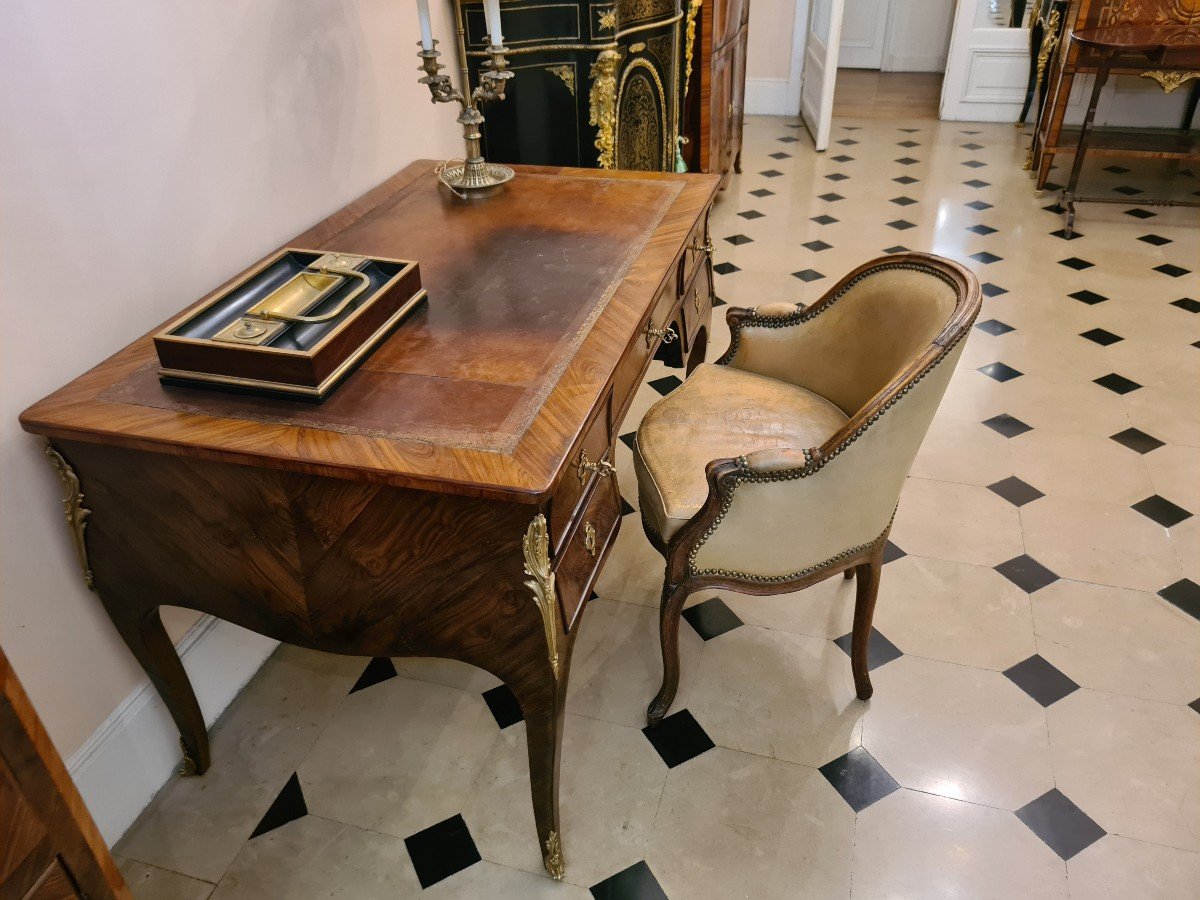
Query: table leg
point(1085, 131)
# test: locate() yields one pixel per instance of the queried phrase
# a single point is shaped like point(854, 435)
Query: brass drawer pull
point(603, 468)
point(706, 247)
point(589, 538)
point(667, 335)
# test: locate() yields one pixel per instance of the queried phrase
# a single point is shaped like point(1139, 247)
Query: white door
point(820, 68)
point(864, 27)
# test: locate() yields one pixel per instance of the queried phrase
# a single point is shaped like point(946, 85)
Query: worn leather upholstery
point(717, 413)
point(788, 386)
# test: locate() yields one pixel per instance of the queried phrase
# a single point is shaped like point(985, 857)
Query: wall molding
point(135, 751)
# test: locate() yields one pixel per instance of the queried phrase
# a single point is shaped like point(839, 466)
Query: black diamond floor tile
point(379, 669)
point(906, 179)
point(780, 155)
point(761, 192)
point(725, 268)
point(823, 220)
point(1024, 571)
point(1055, 209)
point(1000, 371)
point(504, 706)
point(1173, 270)
point(1187, 304)
point(1040, 680)
point(629, 438)
point(1156, 240)
point(830, 198)
point(635, 883)
point(1101, 336)
point(665, 384)
point(837, 176)
point(751, 214)
point(1161, 510)
point(992, 290)
point(907, 161)
point(1116, 170)
point(903, 201)
point(788, 139)
point(899, 248)
point(816, 246)
point(974, 164)
point(1091, 298)
point(1016, 491)
point(1128, 191)
point(971, 146)
point(1074, 262)
point(1064, 827)
point(847, 142)
point(982, 229)
point(808, 275)
point(1137, 440)
point(712, 618)
point(442, 850)
point(994, 327)
point(1061, 234)
point(739, 239)
point(976, 183)
point(678, 738)
point(288, 806)
point(626, 507)
point(985, 257)
point(880, 651)
point(1195, 704)
point(1118, 384)
point(1138, 213)
point(907, 145)
point(842, 158)
point(770, 173)
point(1009, 426)
point(1184, 594)
point(979, 205)
point(859, 779)
point(891, 553)
point(901, 224)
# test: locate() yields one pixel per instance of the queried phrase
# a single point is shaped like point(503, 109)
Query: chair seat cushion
point(719, 413)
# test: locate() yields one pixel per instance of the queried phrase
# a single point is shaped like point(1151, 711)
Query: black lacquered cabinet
point(597, 83)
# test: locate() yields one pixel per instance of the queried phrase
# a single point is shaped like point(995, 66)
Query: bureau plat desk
point(454, 497)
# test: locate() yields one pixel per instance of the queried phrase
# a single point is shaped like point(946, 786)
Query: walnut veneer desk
point(454, 497)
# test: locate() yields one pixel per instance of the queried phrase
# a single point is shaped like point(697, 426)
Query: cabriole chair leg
point(668, 624)
point(864, 611)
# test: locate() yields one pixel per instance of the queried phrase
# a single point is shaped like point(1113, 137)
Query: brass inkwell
point(294, 325)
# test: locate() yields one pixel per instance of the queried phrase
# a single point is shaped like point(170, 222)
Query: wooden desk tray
point(295, 325)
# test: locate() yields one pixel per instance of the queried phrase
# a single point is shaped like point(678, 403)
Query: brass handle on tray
point(363, 283)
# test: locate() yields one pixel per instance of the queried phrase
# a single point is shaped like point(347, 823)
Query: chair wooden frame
point(724, 475)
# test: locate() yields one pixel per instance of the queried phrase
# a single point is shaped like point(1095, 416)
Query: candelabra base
point(474, 179)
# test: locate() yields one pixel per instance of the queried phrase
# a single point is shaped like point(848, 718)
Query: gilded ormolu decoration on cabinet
point(606, 19)
point(661, 47)
point(641, 117)
point(1170, 81)
point(603, 101)
point(74, 510)
point(567, 74)
point(187, 766)
point(554, 858)
point(536, 546)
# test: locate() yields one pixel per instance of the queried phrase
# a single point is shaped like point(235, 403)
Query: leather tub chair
point(782, 464)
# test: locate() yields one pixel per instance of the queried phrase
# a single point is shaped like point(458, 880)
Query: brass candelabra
point(474, 177)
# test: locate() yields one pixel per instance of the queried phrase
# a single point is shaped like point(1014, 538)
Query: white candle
point(491, 12)
point(426, 27)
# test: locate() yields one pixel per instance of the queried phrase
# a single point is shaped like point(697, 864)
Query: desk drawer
point(695, 252)
point(633, 367)
point(591, 461)
point(697, 304)
point(592, 534)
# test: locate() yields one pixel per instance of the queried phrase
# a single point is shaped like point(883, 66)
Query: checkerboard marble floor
point(1035, 729)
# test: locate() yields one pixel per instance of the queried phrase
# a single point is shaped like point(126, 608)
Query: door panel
point(864, 27)
point(820, 68)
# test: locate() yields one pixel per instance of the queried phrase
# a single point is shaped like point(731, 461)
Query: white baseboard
point(928, 63)
point(767, 97)
point(120, 768)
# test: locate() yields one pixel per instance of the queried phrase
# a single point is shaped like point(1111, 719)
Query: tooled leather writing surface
point(515, 283)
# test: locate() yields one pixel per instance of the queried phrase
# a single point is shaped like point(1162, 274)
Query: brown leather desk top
point(534, 297)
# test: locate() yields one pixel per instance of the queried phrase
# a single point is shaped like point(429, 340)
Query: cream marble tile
point(611, 781)
point(966, 523)
point(616, 666)
point(1050, 461)
point(911, 844)
point(958, 732)
point(825, 610)
point(963, 451)
point(312, 858)
point(399, 756)
point(634, 571)
point(488, 880)
point(734, 825)
point(954, 612)
point(1099, 542)
point(152, 883)
point(196, 825)
point(1170, 414)
point(1121, 641)
point(1054, 356)
point(1185, 540)
point(1156, 363)
point(777, 694)
point(449, 672)
point(1132, 765)
point(1117, 868)
point(1077, 407)
point(1175, 474)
